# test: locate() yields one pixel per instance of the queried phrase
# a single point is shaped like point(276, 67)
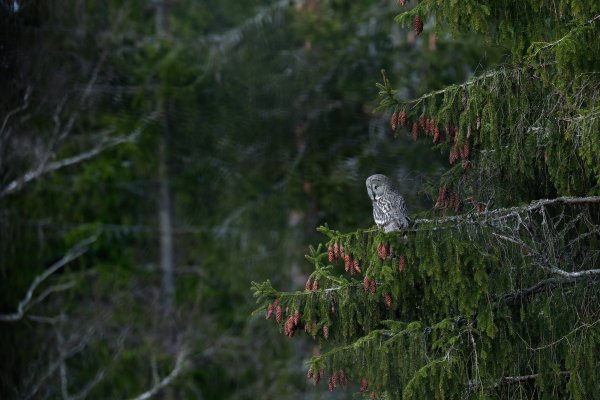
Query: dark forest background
point(157, 157)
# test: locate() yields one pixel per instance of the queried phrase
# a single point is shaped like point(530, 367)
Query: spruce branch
point(534, 50)
point(389, 98)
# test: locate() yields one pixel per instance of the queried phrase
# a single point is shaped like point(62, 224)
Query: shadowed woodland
point(174, 172)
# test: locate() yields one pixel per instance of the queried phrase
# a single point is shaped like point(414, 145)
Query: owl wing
point(399, 212)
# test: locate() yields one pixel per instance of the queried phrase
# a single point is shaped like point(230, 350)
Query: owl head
point(377, 185)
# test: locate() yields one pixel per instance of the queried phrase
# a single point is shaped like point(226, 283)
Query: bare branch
point(179, 364)
point(74, 252)
point(546, 284)
point(43, 169)
point(508, 212)
point(543, 262)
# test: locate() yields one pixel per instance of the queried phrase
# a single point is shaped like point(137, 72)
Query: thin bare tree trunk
point(167, 257)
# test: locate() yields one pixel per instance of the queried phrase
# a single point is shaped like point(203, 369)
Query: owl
point(389, 208)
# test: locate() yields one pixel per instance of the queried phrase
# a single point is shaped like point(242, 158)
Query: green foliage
point(500, 301)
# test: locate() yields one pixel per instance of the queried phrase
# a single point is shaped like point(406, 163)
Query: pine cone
point(366, 283)
point(336, 250)
point(357, 266)
point(334, 379)
point(330, 384)
point(381, 251)
point(387, 250)
point(341, 250)
point(289, 328)
point(310, 373)
point(453, 154)
point(388, 299)
point(316, 379)
point(326, 331)
point(436, 135)
point(415, 131)
point(394, 120)
point(315, 285)
point(330, 254)
point(422, 121)
point(417, 25)
point(465, 150)
point(296, 317)
point(441, 199)
point(270, 309)
point(373, 286)
point(364, 384)
point(348, 262)
point(278, 314)
point(402, 118)
point(402, 263)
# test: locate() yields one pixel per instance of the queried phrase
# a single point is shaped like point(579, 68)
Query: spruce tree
point(493, 293)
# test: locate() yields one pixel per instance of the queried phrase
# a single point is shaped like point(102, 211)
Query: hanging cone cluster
point(337, 379)
point(383, 251)
point(311, 285)
point(291, 323)
point(308, 285)
point(447, 199)
point(369, 285)
point(274, 307)
point(316, 377)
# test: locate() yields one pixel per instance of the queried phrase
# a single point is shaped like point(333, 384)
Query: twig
point(512, 380)
point(16, 110)
point(74, 252)
point(179, 364)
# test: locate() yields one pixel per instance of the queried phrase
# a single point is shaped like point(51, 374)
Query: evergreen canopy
point(500, 300)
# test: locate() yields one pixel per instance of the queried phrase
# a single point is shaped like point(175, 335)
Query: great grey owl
point(389, 208)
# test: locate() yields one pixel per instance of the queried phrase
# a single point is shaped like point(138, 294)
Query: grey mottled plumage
point(389, 208)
